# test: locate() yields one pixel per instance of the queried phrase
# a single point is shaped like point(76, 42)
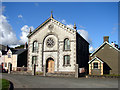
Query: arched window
point(66, 60)
point(66, 44)
point(34, 60)
point(35, 46)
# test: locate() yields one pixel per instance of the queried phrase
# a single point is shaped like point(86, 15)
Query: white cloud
point(85, 35)
point(91, 49)
point(70, 26)
point(7, 35)
point(20, 16)
point(64, 21)
point(82, 32)
point(82, 26)
point(25, 31)
point(13, 46)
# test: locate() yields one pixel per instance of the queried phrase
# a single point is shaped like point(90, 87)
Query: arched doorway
point(50, 65)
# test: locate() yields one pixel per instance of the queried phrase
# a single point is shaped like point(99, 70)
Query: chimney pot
point(106, 38)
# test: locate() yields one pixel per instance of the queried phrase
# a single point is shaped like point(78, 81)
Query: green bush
point(39, 73)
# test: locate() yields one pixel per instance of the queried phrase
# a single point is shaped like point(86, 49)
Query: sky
point(93, 20)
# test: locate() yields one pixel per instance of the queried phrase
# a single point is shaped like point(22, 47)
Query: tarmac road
point(29, 81)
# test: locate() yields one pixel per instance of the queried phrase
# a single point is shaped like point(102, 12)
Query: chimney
point(25, 46)
point(106, 38)
point(30, 31)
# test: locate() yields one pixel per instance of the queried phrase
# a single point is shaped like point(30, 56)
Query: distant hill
point(20, 47)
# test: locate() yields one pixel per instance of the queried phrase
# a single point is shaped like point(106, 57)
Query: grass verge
point(5, 84)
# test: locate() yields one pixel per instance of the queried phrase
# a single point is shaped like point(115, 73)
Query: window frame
point(35, 47)
point(95, 66)
point(9, 55)
point(66, 44)
point(34, 60)
point(66, 60)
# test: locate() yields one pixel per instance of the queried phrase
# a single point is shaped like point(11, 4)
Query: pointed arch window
point(35, 46)
point(66, 44)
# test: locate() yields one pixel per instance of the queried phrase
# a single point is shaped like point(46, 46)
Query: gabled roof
point(94, 59)
point(14, 51)
point(59, 23)
point(103, 46)
point(19, 51)
point(51, 18)
point(38, 27)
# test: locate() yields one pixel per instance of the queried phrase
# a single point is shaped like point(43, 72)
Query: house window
point(35, 46)
point(34, 60)
point(66, 44)
point(9, 55)
point(95, 65)
point(66, 60)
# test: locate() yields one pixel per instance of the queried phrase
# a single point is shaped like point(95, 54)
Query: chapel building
point(55, 48)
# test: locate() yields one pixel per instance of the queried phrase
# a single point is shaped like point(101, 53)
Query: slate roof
point(14, 51)
point(103, 46)
point(19, 51)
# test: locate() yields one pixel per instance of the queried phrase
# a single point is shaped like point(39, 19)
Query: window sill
point(66, 65)
point(35, 52)
point(66, 50)
point(96, 68)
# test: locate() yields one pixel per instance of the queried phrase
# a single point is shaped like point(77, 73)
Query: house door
point(10, 66)
point(50, 66)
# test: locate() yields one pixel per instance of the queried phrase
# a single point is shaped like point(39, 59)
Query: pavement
point(29, 81)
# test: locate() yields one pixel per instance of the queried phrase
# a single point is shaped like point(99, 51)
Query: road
point(29, 81)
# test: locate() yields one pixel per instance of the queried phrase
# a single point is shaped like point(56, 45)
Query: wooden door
point(50, 66)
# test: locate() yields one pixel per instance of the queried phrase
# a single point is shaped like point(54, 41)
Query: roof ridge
point(102, 45)
point(97, 59)
point(74, 30)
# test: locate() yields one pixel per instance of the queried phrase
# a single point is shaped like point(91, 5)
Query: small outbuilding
point(104, 60)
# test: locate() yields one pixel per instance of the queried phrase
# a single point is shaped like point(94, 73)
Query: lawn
point(5, 84)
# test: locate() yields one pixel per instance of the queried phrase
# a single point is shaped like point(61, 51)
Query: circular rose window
point(50, 42)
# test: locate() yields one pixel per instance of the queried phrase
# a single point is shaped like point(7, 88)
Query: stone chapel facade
point(55, 48)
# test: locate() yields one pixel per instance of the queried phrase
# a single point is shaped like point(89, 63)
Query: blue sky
point(97, 18)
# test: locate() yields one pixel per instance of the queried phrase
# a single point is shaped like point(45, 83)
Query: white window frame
point(35, 46)
point(66, 60)
point(95, 66)
point(34, 60)
point(66, 44)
